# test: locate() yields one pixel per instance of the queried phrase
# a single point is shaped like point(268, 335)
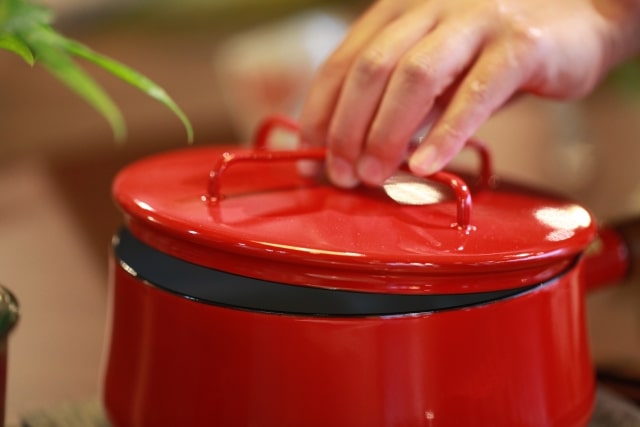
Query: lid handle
point(261, 153)
point(271, 123)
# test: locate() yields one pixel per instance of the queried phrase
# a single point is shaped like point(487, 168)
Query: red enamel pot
point(246, 295)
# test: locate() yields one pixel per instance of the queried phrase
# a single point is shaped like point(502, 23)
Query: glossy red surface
point(521, 361)
point(273, 216)
point(606, 259)
point(518, 362)
point(461, 192)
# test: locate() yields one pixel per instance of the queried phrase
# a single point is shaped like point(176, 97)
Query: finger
point(363, 90)
point(424, 73)
point(492, 80)
point(323, 95)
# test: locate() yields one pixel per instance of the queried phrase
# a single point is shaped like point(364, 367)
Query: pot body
point(518, 361)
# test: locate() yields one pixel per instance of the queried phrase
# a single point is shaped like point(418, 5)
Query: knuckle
point(374, 63)
point(478, 92)
point(417, 71)
point(527, 41)
point(451, 132)
point(515, 30)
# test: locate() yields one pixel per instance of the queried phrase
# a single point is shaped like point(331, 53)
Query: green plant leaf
point(18, 16)
point(60, 64)
point(128, 75)
point(16, 45)
point(25, 30)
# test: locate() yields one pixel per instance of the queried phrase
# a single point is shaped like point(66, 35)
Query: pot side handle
point(613, 256)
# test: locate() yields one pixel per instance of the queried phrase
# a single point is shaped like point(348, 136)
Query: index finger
point(327, 84)
point(491, 82)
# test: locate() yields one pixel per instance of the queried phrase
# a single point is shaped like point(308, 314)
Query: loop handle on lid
point(261, 139)
point(261, 153)
point(229, 158)
point(486, 164)
point(268, 125)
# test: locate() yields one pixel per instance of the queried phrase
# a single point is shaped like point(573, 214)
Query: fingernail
point(341, 173)
point(424, 161)
point(370, 170)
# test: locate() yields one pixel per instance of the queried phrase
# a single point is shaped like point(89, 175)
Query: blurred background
point(227, 63)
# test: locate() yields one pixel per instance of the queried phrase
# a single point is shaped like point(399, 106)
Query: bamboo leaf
point(14, 44)
point(130, 76)
point(60, 64)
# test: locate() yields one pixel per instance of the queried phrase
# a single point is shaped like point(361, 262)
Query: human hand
point(452, 63)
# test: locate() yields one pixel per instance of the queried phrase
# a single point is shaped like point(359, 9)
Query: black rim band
point(210, 286)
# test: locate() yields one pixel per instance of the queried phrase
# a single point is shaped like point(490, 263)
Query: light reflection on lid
point(144, 205)
point(570, 218)
point(563, 221)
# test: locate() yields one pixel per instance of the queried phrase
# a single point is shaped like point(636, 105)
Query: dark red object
point(247, 295)
point(607, 259)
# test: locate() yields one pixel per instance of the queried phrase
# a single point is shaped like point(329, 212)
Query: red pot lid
point(249, 212)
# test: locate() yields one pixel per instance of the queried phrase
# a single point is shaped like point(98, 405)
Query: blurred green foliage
point(25, 29)
point(625, 80)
